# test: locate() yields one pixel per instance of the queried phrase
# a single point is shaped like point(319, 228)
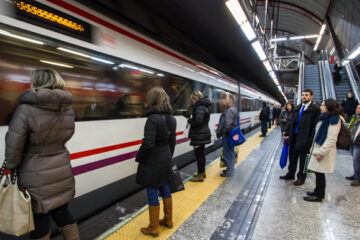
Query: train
point(108, 68)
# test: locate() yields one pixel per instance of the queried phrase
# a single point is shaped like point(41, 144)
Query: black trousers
point(200, 158)
point(264, 127)
point(60, 215)
point(294, 158)
point(320, 184)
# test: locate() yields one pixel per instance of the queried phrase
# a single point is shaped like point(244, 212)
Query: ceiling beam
point(295, 51)
point(295, 8)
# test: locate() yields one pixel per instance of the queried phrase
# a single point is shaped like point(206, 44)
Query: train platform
point(253, 204)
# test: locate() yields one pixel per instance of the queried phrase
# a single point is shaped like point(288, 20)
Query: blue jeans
point(229, 156)
point(153, 194)
point(264, 128)
point(355, 150)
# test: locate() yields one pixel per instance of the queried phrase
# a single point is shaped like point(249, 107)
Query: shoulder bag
point(235, 135)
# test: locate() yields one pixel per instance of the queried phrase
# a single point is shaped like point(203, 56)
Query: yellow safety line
point(187, 201)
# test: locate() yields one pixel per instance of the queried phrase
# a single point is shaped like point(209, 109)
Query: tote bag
point(175, 181)
point(16, 216)
point(235, 135)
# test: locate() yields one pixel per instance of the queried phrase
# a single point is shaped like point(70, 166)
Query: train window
point(101, 91)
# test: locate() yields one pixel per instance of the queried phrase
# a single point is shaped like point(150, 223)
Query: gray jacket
point(228, 120)
point(35, 144)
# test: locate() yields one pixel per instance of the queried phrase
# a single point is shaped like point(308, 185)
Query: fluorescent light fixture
point(237, 11)
point(248, 31)
point(73, 52)
point(355, 53)
point(56, 64)
point(278, 39)
point(322, 30)
point(259, 50)
point(312, 36)
point(128, 66)
point(102, 60)
point(272, 74)
point(160, 75)
point(146, 71)
point(267, 65)
point(20, 37)
point(297, 37)
point(189, 69)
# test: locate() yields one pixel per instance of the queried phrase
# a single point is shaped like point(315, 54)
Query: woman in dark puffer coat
point(199, 131)
point(154, 158)
point(35, 145)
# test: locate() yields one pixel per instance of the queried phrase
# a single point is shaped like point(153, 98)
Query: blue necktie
point(298, 121)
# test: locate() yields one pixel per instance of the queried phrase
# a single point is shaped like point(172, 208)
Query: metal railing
point(301, 78)
point(352, 79)
point(323, 89)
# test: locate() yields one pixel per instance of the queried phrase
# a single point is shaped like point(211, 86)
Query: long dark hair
point(333, 107)
point(292, 106)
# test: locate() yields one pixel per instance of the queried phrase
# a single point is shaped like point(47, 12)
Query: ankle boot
point(197, 178)
point(153, 228)
point(47, 237)
point(167, 221)
point(70, 232)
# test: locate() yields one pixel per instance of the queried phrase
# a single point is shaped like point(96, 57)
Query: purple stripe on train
point(110, 161)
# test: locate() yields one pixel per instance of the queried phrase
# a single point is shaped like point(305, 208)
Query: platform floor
point(253, 204)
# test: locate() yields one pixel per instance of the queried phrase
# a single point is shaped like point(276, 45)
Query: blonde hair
point(196, 95)
point(46, 78)
point(159, 100)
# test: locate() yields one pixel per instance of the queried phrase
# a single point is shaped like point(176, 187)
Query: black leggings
point(200, 158)
point(60, 215)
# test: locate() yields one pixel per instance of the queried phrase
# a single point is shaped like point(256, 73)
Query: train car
point(108, 68)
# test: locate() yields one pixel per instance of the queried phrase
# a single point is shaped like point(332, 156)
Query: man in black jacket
point(300, 131)
point(349, 105)
point(264, 118)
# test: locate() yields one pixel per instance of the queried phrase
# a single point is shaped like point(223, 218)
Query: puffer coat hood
point(35, 145)
point(199, 131)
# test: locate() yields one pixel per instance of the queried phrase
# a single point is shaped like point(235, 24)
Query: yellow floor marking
point(185, 202)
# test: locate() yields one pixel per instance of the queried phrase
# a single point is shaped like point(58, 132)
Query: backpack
point(344, 138)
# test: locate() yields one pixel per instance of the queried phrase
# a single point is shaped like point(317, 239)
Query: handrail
point(352, 80)
point(301, 79)
point(324, 92)
point(329, 81)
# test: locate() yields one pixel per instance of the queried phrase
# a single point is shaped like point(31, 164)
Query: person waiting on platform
point(271, 115)
point(349, 105)
point(228, 120)
point(300, 132)
point(285, 116)
point(154, 158)
point(35, 145)
point(264, 118)
point(354, 128)
point(199, 132)
point(323, 150)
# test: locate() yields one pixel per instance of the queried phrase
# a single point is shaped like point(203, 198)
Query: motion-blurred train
point(108, 68)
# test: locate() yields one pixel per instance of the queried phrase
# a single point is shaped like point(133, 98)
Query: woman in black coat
point(154, 158)
point(199, 131)
point(285, 116)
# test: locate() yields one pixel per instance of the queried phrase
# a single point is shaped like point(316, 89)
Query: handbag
point(284, 156)
point(235, 135)
point(16, 214)
point(175, 181)
point(344, 138)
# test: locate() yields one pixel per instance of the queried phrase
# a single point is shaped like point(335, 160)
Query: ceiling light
point(237, 11)
point(248, 31)
point(278, 39)
point(102, 60)
point(267, 65)
point(322, 30)
point(312, 36)
point(56, 64)
point(20, 37)
point(73, 52)
point(355, 53)
point(259, 50)
point(297, 37)
point(160, 75)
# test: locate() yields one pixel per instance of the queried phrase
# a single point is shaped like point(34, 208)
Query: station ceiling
point(206, 31)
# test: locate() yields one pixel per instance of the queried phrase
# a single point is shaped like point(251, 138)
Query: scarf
point(326, 121)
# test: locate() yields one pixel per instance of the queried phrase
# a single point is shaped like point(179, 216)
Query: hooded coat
point(35, 145)
point(199, 131)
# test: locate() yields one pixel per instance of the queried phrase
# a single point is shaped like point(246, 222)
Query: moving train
point(108, 68)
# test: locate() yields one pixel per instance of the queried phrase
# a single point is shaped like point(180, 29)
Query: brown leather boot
point(167, 221)
point(70, 232)
point(197, 178)
point(153, 228)
point(47, 237)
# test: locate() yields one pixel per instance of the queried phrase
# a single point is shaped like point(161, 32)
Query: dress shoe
point(355, 183)
point(298, 182)
point(352, 178)
point(286, 177)
point(314, 194)
point(313, 199)
point(262, 136)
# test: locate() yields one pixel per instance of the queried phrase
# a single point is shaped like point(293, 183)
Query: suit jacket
point(307, 126)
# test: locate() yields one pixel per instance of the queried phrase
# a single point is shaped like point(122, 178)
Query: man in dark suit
point(300, 131)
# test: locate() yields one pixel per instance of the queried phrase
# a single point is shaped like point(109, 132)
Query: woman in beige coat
point(323, 153)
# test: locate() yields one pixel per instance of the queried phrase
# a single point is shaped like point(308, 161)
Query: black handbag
point(175, 181)
point(344, 138)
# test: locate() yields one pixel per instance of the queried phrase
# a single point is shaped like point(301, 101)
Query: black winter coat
point(199, 131)
point(156, 151)
point(349, 105)
point(307, 126)
point(264, 114)
point(284, 119)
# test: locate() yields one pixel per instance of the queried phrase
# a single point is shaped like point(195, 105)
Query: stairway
point(312, 81)
point(342, 89)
